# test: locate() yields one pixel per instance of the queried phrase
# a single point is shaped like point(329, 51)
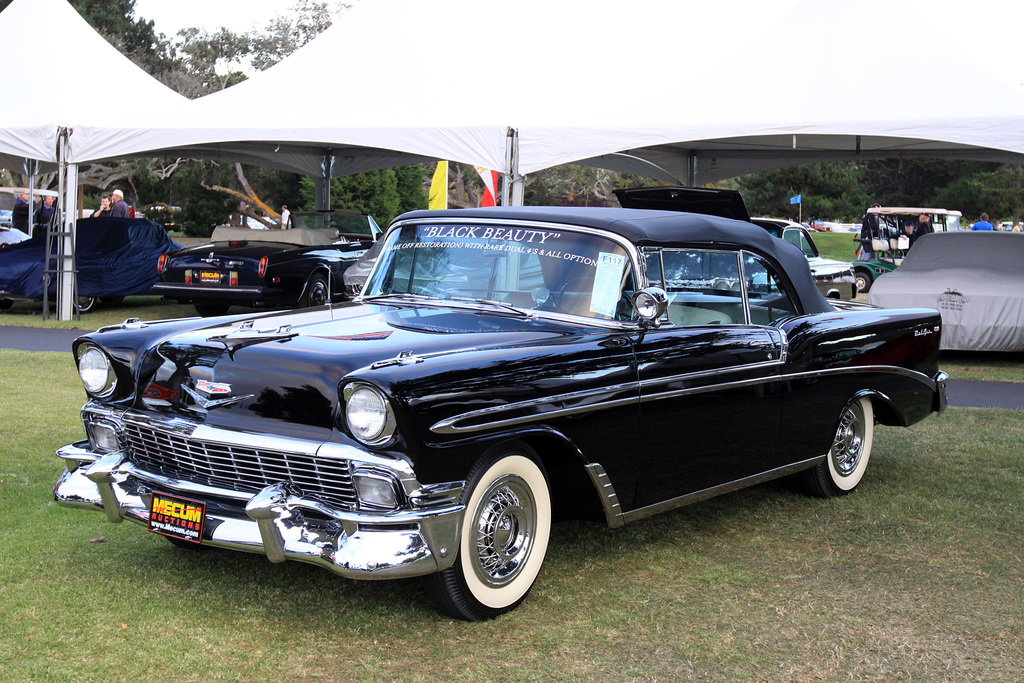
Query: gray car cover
point(974, 279)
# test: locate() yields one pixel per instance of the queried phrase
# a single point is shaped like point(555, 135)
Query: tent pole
point(66, 275)
point(513, 186)
point(322, 187)
point(691, 169)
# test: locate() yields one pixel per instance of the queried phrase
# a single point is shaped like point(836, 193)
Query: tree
point(382, 194)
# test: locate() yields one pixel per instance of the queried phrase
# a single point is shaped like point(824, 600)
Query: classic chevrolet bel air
point(501, 368)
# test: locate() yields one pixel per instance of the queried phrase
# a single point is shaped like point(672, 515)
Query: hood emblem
point(212, 389)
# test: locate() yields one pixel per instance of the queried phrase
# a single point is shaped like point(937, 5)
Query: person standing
point(924, 225)
point(44, 214)
point(983, 224)
point(285, 213)
point(868, 231)
point(104, 209)
point(20, 214)
point(118, 208)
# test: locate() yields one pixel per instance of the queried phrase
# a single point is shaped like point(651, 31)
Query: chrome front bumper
point(275, 521)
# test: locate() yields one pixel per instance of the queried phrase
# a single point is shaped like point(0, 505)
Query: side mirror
point(650, 304)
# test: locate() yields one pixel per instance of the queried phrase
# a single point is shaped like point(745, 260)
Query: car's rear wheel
point(504, 536)
point(847, 460)
point(5, 304)
point(207, 310)
point(317, 293)
point(864, 281)
point(86, 303)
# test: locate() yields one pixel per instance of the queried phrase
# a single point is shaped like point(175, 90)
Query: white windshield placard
point(607, 283)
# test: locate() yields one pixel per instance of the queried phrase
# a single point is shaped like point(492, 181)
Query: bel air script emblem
point(212, 389)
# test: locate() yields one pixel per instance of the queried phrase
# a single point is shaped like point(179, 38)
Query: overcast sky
point(238, 15)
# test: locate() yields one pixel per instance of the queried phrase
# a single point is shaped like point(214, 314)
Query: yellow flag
point(439, 187)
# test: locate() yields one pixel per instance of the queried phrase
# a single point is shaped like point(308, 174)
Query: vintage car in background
point(834, 278)
point(891, 250)
point(299, 266)
point(975, 281)
point(501, 368)
point(115, 257)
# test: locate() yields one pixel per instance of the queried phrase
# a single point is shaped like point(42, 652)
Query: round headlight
point(368, 415)
point(96, 372)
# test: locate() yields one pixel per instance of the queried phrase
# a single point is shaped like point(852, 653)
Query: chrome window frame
point(637, 264)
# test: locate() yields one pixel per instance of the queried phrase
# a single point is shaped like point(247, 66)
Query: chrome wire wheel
point(847, 459)
point(503, 539)
point(506, 526)
point(848, 447)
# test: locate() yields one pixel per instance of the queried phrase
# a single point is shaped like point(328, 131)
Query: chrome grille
point(238, 468)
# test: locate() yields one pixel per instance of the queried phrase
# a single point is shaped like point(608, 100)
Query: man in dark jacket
point(868, 231)
point(924, 225)
point(20, 214)
point(118, 208)
point(44, 214)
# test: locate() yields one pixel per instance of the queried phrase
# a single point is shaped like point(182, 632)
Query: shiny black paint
point(748, 411)
point(289, 268)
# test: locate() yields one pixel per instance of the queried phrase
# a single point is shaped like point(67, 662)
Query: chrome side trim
point(764, 365)
point(886, 369)
point(606, 492)
point(452, 424)
point(696, 496)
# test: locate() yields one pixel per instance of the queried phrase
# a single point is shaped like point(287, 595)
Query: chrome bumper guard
point(357, 545)
point(941, 401)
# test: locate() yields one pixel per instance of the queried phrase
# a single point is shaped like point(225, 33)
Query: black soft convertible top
point(645, 227)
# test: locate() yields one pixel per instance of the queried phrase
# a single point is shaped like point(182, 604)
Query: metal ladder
point(54, 260)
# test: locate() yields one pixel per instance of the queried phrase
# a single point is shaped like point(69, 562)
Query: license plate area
point(177, 517)
point(210, 276)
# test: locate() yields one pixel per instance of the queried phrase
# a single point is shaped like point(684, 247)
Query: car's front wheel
point(864, 281)
point(847, 460)
point(504, 536)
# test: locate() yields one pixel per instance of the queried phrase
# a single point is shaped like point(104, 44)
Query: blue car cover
point(116, 257)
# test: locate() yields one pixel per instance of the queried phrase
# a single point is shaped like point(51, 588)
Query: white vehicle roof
point(25, 190)
point(906, 210)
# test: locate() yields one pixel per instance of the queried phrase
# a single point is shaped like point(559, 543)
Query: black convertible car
point(501, 368)
point(299, 266)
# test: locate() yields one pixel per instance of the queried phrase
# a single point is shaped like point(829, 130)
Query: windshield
point(345, 225)
point(544, 269)
point(798, 238)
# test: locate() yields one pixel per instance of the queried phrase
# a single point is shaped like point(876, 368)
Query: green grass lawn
point(917, 576)
point(835, 245)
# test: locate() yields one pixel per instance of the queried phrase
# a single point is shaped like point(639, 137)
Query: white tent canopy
point(56, 71)
point(702, 90)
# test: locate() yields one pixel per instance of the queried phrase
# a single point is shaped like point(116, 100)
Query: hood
point(287, 367)
point(821, 267)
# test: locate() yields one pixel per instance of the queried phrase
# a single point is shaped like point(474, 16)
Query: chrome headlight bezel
point(96, 371)
point(368, 414)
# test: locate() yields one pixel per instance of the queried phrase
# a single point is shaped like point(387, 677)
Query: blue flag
point(796, 200)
